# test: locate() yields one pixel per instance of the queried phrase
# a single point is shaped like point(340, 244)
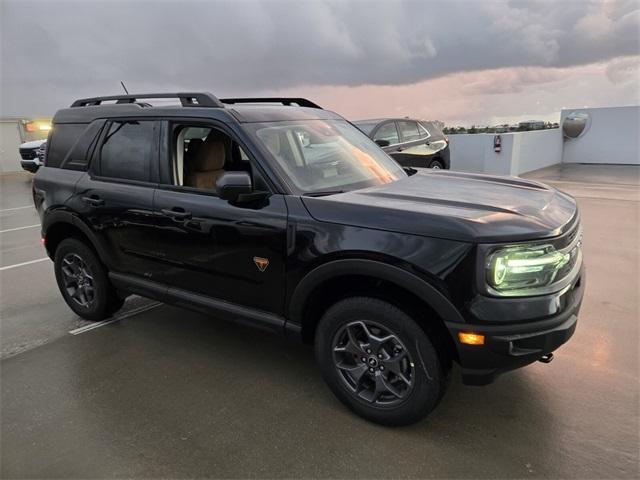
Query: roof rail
point(301, 102)
point(187, 99)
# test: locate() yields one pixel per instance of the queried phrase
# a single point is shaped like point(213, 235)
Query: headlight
point(524, 269)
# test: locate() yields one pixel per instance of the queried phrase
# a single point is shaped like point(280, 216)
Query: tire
point(79, 271)
point(437, 164)
point(341, 328)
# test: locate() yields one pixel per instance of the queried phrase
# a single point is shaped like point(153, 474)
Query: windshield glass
point(326, 155)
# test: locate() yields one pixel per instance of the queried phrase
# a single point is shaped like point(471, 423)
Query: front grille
point(28, 153)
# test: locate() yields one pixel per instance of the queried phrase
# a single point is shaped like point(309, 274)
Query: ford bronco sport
point(277, 213)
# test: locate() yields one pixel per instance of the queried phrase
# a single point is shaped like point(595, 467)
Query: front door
point(232, 252)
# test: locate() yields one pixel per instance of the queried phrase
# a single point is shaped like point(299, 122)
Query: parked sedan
point(412, 143)
point(30, 155)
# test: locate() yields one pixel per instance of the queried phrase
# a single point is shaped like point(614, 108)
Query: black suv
point(412, 143)
point(279, 214)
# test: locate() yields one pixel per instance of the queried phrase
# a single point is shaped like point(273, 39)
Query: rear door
point(115, 197)
point(413, 150)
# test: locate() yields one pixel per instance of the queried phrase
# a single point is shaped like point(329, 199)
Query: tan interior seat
point(207, 164)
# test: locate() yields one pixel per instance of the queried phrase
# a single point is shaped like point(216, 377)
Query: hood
point(32, 144)
point(453, 205)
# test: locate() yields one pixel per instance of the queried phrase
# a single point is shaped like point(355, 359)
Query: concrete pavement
point(171, 393)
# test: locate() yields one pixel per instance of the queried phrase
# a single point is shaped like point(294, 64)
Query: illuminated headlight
point(523, 269)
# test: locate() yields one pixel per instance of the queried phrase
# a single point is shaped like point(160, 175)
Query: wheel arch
point(342, 278)
point(63, 224)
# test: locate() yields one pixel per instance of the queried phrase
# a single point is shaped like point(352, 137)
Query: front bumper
point(30, 165)
point(513, 345)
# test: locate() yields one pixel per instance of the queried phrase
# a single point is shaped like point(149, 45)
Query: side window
point(78, 156)
point(408, 131)
point(127, 150)
point(388, 132)
point(63, 137)
point(200, 155)
point(424, 133)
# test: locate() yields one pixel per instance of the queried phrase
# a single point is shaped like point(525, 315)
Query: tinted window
point(127, 150)
point(63, 136)
point(408, 131)
point(79, 154)
point(387, 132)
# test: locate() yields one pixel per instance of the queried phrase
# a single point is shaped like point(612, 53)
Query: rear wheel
point(436, 165)
point(378, 361)
point(83, 281)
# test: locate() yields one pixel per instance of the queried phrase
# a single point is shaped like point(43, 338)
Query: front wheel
point(378, 361)
point(83, 281)
point(436, 165)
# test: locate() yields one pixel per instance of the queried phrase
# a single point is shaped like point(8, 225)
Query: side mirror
point(383, 143)
point(231, 185)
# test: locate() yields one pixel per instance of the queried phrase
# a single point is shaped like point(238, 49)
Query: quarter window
point(388, 132)
point(127, 150)
point(63, 137)
point(408, 131)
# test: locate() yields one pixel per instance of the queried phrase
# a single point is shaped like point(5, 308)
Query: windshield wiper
point(322, 193)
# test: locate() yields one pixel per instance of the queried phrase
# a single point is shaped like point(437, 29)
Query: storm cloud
point(55, 51)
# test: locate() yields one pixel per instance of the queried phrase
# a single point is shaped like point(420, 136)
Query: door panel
point(121, 215)
point(208, 246)
point(414, 151)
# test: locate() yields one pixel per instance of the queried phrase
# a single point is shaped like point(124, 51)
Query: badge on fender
point(261, 263)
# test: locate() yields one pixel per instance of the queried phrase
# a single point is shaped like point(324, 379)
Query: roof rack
point(301, 102)
point(187, 99)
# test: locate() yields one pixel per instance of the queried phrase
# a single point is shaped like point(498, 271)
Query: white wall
point(9, 143)
point(612, 137)
point(521, 152)
point(536, 149)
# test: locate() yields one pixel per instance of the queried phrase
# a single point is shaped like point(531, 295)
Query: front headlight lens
point(521, 268)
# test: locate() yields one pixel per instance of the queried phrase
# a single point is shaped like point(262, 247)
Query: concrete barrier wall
point(537, 149)
point(611, 137)
point(521, 152)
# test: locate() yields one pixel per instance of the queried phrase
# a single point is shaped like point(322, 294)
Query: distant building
point(531, 125)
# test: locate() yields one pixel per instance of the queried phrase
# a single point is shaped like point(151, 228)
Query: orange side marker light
point(471, 338)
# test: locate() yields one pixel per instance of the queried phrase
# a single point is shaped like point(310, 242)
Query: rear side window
point(408, 131)
point(63, 137)
point(128, 150)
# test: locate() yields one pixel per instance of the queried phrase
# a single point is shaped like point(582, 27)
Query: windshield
point(326, 155)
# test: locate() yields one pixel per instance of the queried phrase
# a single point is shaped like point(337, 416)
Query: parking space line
point(16, 265)
point(16, 208)
point(128, 314)
point(19, 228)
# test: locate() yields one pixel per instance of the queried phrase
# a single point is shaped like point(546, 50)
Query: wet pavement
point(164, 392)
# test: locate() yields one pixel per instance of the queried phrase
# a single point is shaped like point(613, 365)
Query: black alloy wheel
point(379, 362)
point(373, 363)
point(83, 281)
point(78, 280)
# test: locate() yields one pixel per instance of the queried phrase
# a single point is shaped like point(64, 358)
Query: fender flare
point(384, 271)
point(57, 217)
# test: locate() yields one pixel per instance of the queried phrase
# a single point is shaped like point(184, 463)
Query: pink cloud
point(488, 96)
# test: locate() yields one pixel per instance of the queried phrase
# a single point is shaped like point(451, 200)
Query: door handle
point(176, 213)
point(93, 200)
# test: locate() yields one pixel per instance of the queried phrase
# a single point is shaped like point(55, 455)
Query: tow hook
point(546, 358)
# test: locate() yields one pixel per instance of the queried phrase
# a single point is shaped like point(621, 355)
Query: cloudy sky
point(463, 62)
